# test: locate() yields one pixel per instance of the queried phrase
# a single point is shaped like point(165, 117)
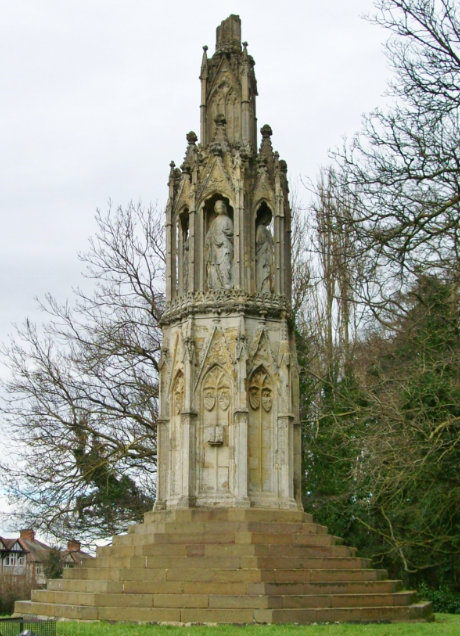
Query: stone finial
point(204, 64)
point(228, 34)
point(266, 149)
point(266, 131)
point(190, 152)
point(173, 174)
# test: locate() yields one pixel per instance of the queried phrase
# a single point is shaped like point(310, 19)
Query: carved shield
point(254, 397)
point(178, 401)
point(266, 400)
point(209, 399)
point(224, 399)
point(178, 394)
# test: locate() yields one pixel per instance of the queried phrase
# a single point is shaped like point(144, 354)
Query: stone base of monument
point(227, 566)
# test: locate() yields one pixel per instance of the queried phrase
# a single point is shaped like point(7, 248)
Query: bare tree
point(336, 280)
point(403, 170)
point(81, 401)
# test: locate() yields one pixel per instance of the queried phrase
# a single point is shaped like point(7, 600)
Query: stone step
point(218, 549)
point(222, 601)
point(203, 527)
point(187, 587)
point(85, 585)
point(392, 613)
point(226, 514)
point(51, 610)
point(198, 574)
point(322, 575)
point(326, 587)
point(226, 562)
point(398, 599)
point(220, 566)
point(239, 536)
point(182, 537)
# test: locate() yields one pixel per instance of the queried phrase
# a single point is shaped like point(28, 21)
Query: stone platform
point(226, 566)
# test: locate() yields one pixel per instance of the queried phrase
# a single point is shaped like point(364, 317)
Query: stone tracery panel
point(260, 430)
point(176, 408)
point(214, 431)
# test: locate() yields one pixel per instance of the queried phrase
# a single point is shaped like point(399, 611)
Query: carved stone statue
point(185, 264)
point(264, 255)
point(219, 249)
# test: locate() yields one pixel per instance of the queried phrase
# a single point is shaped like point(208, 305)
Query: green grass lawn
point(445, 625)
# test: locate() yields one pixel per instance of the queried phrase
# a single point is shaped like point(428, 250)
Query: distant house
point(25, 557)
point(73, 555)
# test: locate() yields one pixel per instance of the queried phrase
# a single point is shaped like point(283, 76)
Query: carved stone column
point(162, 463)
point(188, 437)
point(241, 458)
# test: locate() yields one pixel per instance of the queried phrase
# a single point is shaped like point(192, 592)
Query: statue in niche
point(264, 254)
point(185, 257)
point(219, 249)
point(178, 394)
point(185, 252)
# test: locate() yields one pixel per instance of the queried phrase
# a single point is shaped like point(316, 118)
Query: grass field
point(445, 625)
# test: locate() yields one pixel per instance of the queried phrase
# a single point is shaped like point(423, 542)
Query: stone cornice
point(225, 301)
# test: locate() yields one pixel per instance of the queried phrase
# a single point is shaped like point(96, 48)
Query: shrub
point(443, 598)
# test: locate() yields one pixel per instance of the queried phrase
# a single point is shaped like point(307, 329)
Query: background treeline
point(378, 328)
point(376, 303)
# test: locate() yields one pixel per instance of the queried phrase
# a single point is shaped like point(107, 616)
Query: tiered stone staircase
point(226, 566)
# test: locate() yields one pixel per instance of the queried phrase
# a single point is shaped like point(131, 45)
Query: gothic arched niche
point(216, 409)
point(182, 247)
point(218, 243)
point(179, 247)
point(224, 100)
point(176, 408)
point(260, 430)
point(264, 250)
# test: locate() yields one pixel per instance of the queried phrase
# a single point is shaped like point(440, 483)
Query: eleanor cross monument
point(229, 431)
point(227, 541)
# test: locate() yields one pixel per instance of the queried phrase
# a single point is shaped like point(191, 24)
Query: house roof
point(74, 556)
point(37, 551)
point(8, 545)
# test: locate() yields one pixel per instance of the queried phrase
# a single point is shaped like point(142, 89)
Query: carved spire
point(204, 64)
point(204, 83)
point(190, 152)
point(266, 157)
point(228, 88)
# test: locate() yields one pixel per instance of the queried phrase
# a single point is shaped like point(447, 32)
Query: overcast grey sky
point(97, 96)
